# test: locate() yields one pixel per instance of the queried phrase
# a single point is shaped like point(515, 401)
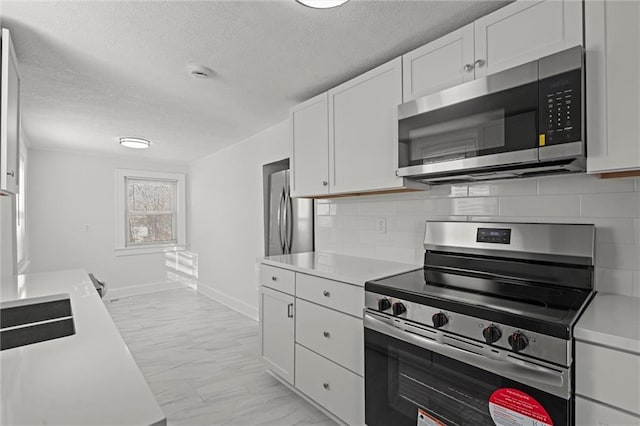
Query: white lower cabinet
point(337, 389)
point(276, 332)
point(332, 334)
point(591, 413)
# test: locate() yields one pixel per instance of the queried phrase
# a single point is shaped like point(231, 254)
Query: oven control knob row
point(439, 320)
point(491, 334)
point(518, 341)
point(384, 304)
point(398, 308)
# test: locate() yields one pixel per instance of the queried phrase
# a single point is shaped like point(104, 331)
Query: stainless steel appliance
point(523, 121)
point(290, 220)
point(483, 334)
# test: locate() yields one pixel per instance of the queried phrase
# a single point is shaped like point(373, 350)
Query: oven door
point(410, 384)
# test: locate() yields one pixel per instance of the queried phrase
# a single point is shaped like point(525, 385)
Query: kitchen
point(70, 219)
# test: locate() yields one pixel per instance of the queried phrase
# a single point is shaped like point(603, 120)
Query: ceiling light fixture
point(199, 71)
point(322, 4)
point(135, 143)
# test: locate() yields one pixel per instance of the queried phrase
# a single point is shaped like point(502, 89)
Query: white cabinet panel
point(525, 31)
point(332, 334)
point(343, 297)
point(607, 375)
point(590, 413)
point(612, 41)
point(278, 279)
point(9, 116)
point(363, 136)
point(276, 332)
point(335, 388)
point(310, 139)
point(443, 63)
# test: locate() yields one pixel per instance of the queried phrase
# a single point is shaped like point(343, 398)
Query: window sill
point(133, 251)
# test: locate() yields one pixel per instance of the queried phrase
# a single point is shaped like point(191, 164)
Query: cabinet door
point(441, 64)
point(310, 138)
point(363, 134)
point(276, 332)
point(525, 31)
point(612, 42)
point(10, 117)
point(589, 413)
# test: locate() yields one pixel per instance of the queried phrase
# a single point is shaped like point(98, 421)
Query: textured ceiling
point(96, 70)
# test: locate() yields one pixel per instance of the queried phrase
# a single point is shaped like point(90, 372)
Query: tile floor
point(201, 361)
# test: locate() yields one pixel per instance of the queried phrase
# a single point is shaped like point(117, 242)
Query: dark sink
point(28, 321)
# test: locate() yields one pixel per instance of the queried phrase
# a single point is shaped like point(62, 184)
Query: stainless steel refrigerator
point(290, 220)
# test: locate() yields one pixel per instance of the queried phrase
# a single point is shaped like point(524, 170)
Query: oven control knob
point(439, 320)
point(518, 341)
point(491, 334)
point(384, 304)
point(398, 308)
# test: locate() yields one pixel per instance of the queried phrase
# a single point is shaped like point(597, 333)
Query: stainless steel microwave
point(527, 120)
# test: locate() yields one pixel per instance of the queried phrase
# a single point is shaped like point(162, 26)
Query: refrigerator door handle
point(281, 213)
point(289, 221)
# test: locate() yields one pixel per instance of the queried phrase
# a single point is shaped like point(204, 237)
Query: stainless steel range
point(483, 334)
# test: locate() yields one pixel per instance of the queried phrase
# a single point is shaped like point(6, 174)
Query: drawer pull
point(274, 278)
point(326, 334)
point(326, 293)
point(325, 385)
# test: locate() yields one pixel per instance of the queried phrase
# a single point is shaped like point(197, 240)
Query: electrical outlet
point(381, 225)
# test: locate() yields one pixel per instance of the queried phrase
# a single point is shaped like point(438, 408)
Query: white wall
point(71, 217)
point(227, 216)
point(348, 225)
point(7, 235)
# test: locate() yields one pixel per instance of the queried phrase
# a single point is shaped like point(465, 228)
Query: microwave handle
point(512, 368)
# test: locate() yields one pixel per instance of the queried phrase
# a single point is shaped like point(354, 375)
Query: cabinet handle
point(468, 67)
point(480, 63)
point(326, 334)
point(290, 310)
point(274, 278)
point(325, 183)
point(11, 173)
point(325, 385)
point(326, 293)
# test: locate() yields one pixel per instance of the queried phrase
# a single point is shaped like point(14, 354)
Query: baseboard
point(135, 290)
point(229, 301)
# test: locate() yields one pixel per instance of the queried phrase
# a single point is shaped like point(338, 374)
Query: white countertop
point(339, 267)
point(83, 379)
point(611, 320)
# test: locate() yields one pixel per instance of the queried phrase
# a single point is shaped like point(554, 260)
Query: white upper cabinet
point(309, 123)
point(9, 117)
point(525, 31)
point(363, 135)
point(612, 42)
point(443, 63)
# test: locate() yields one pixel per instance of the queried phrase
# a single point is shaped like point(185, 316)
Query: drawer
point(336, 389)
point(609, 376)
point(343, 297)
point(333, 335)
point(590, 413)
point(278, 279)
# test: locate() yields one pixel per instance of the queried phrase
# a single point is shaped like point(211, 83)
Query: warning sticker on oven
point(425, 419)
point(511, 407)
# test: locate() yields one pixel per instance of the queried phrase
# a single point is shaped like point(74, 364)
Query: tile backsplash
point(391, 227)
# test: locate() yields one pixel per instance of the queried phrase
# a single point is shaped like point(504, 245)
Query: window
point(151, 212)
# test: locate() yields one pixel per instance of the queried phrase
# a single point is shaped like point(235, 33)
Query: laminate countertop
point(338, 267)
point(87, 378)
point(611, 320)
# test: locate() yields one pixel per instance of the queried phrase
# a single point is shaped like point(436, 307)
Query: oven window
point(401, 378)
point(496, 123)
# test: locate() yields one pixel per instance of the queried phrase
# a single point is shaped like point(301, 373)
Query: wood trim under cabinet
point(617, 175)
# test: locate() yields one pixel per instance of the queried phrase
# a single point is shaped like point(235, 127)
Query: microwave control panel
point(560, 108)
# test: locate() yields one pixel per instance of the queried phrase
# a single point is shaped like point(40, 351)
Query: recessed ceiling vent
point(199, 71)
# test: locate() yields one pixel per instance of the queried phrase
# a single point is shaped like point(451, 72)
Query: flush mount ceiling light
point(135, 143)
point(322, 4)
point(199, 71)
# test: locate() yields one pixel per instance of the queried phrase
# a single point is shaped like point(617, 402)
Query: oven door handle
point(506, 366)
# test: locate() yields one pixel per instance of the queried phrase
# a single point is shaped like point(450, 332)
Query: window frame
point(123, 248)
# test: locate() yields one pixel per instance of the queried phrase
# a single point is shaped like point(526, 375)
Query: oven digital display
point(494, 235)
